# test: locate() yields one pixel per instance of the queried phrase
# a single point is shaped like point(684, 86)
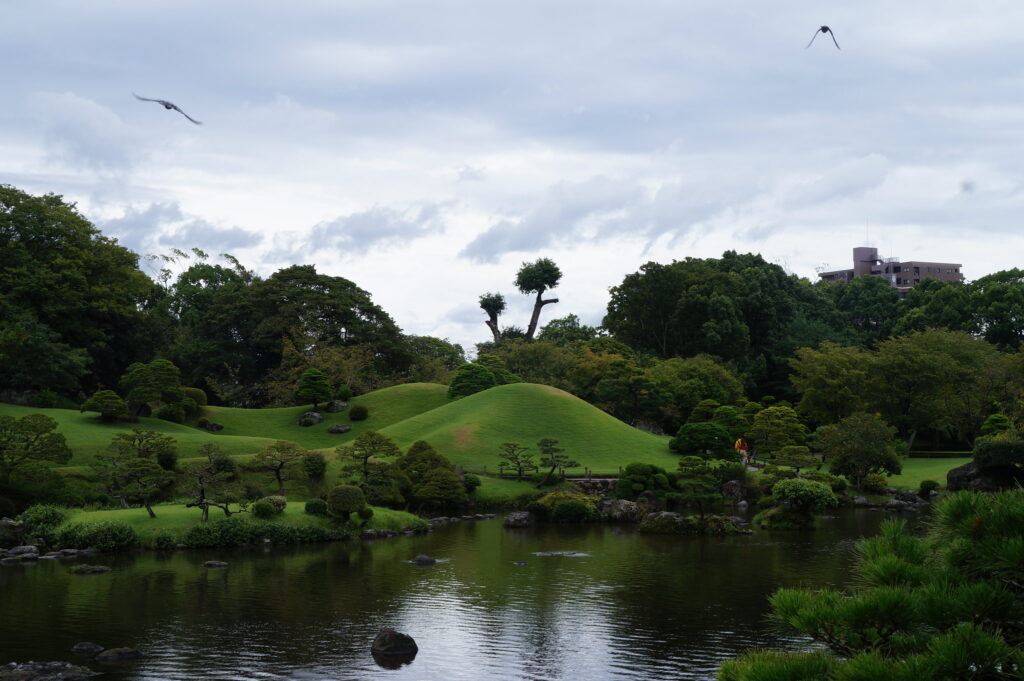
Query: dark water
point(635, 606)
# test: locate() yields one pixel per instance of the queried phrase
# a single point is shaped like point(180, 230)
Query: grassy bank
point(176, 519)
point(917, 469)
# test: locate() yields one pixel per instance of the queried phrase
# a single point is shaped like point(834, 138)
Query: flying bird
point(824, 29)
point(168, 105)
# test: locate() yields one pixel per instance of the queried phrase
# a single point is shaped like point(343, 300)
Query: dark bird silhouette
point(168, 105)
point(824, 29)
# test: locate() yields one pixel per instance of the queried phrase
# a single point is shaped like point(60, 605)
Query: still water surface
point(634, 607)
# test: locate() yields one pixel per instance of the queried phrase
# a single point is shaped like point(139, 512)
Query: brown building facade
point(901, 275)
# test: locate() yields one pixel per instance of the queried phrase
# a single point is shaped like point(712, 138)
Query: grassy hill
point(87, 435)
point(468, 431)
point(387, 406)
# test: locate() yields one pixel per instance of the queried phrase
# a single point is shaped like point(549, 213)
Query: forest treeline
point(77, 310)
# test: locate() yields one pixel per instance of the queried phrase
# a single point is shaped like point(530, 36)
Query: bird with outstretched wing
point(824, 29)
point(169, 106)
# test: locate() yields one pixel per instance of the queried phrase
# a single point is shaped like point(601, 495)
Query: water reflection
point(626, 606)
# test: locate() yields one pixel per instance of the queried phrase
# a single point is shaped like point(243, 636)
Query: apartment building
point(901, 275)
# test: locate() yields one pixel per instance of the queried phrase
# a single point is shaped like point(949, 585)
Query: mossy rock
point(783, 518)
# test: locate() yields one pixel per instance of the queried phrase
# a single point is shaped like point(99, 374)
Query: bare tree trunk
point(535, 318)
point(492, 324)
point(149, 510)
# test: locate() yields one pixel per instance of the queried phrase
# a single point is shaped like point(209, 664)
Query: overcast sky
point(426, 148)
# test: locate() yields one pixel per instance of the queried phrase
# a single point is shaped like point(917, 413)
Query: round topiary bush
point(171, 412)
point(926, 488)
point(316, 507)
point(202, 422)
point(164, 541)
point(470, 482)
point(344, 500)
point(41, 521)
point(264, 510)
point(804, 496)
point(572, 511)
point(277, 501)
point(197, 394)
point(365, 513)
point(358, 412)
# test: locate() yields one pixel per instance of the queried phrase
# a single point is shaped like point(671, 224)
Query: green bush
point(358, 412)
point(470, 378)
point(365, 513)
point(202, 422)
point(252, 491)
point(222, 463)
point(572, 511)
point(316, 507)
point(704, 439)
point(45, 399)
point(164, 541)
point(264, 510)
point(724, 471)
point(235, 532)
point(805, 496)
point(198, 395)
point(926, 488)
point(103, 536)
point(171, 412)
point(344, 500)
point(343, 392)
point(277, 501)
point(835, 483)
point(470, 482)
point(874, 483)
point(42, 521)
point(994, 454)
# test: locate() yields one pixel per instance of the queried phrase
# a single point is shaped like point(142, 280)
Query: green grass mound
point(87, 436)
point(917, 469)
point(468, 431)
point(387, 406)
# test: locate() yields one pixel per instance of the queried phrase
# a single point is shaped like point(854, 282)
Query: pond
point(631, 606)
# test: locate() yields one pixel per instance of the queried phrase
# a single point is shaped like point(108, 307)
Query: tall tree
point(833, 381)
point(313, 387)
point(210, 484)
point(537, 277)
point(858, 445)
point(517, 457)
point(370, 445)
point(554, 456)
point(774, 428)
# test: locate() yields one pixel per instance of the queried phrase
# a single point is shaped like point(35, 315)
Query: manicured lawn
point(916, 470)
point(387, 406)
point(176, 519)
point(87, 435)
point(469, 431)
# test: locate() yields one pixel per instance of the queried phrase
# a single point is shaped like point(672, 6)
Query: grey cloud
point(83, 133)
point(380, 225)
point(161, 226)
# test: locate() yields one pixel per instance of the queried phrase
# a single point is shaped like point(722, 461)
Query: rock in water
point(423, 559)
point(391, 642)
point(118, 654)
point(215, 564)
point(45, 671)
point(83, 569)
point(87, 648)
point(518, 519)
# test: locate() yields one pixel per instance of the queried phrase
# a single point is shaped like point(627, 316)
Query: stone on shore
point(518, 519)
point(87, 648)
point(45, 671)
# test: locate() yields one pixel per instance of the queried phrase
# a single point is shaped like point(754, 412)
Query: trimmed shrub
point(358, 412)
point(993, 454)
point(164, 541)
point(316, 507)
point(202, 422)
point(103, 536)
point(926, 488)
point(344, 500)
point(277, 501)
point(835, 483)
point(365, 513)
point(572, 511)
point(724, 471)
point(42, 521)
point(264, 510)
point(222, 463)
point(236, 531)
point(198, 395)
point(251, 491)
point(704, 439)
point(470, 482)
point(174, 413)
point(804, 496)
point(874, 483)
point(471, 378)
